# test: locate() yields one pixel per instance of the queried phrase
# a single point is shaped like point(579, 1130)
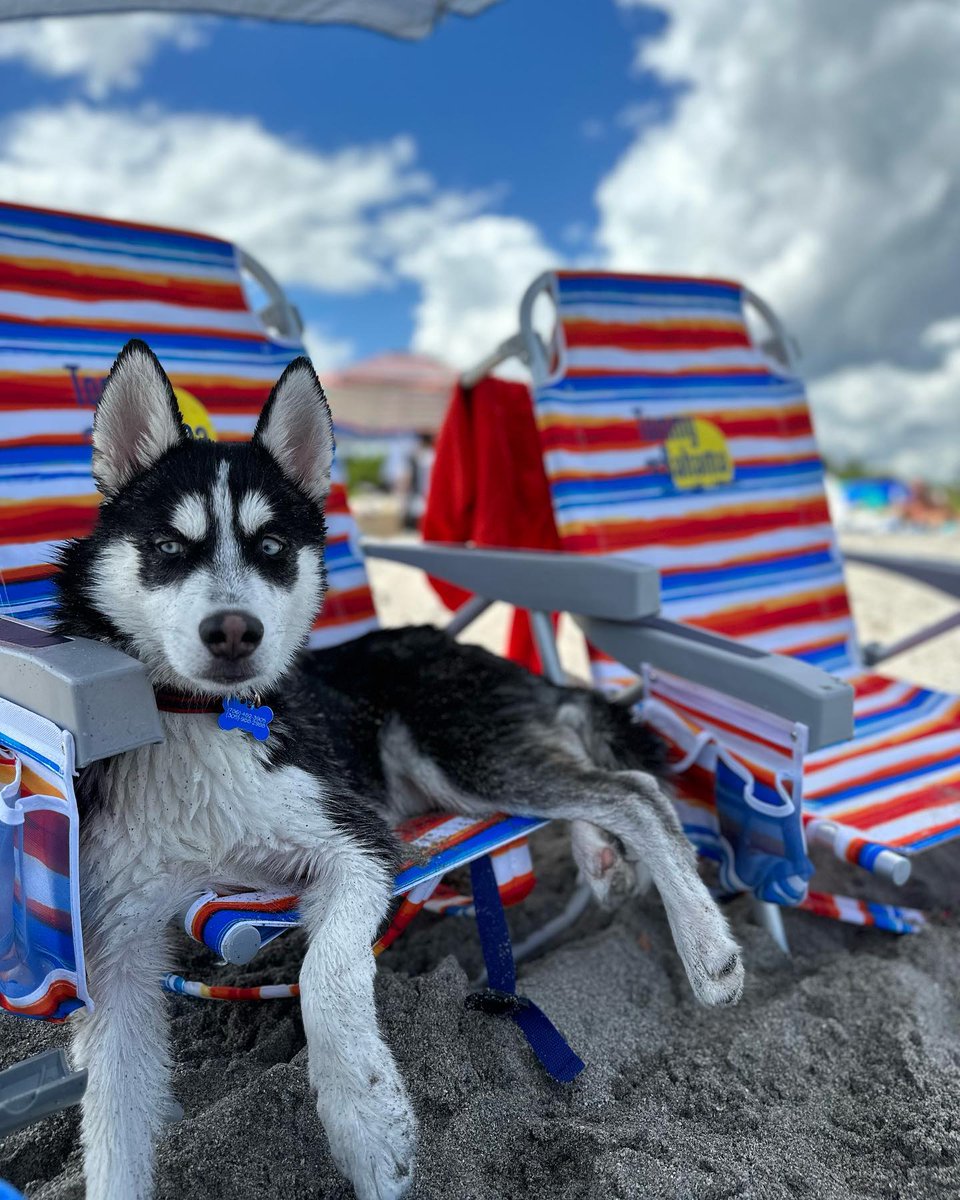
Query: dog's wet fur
point(207, 564)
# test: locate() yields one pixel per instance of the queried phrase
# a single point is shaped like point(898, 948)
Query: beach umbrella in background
point(395, 393)
point(399, 18)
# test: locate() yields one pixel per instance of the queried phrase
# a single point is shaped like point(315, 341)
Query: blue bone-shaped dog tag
point(246, 717)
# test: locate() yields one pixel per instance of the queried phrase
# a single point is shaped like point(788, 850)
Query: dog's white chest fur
point(204, 801)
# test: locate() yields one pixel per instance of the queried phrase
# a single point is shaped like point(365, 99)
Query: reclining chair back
point(671, 437)
point(73, 290)
point(674, 436)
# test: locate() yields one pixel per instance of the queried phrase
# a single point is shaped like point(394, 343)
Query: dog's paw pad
point(729, 967)
point(723, 985)
point(603, 866)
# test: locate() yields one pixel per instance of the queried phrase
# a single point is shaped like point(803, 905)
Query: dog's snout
point(231, 634)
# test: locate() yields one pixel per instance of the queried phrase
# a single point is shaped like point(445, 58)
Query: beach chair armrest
point(938, 573)
point(541, 580)
point(36, 1088)
point(100, 695)
point(784, 686)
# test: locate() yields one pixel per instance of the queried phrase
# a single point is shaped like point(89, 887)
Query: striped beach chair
point(73, 290)
point(675, 432)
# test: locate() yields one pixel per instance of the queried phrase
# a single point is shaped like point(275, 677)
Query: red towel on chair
point(488, 487)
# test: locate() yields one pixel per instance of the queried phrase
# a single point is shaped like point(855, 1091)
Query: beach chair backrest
point(73, 290)
point(670, 436)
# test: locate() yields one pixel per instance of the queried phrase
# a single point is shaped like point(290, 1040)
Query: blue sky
point(406, 193)
point(522, 103)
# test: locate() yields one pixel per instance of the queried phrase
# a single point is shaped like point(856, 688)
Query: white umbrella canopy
point(399, 18)
point(390, 393)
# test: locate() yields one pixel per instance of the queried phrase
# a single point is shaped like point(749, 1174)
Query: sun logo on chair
point(697, 454)
point(195, 416)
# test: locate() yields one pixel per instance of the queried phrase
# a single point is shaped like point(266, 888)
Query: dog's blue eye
point(271, 546)
point(170, 548)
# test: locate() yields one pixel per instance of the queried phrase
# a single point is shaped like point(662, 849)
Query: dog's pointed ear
point(137, 419)
point(297, 429)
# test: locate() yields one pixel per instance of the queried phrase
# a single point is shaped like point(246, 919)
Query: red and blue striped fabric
point(440, 843)
point(671, 438)
point(892, 917)
point(668, 437)
point(73, 289)
point(41, 947)
point(898, 782)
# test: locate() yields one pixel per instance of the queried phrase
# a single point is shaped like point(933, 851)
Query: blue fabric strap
point(500, 998)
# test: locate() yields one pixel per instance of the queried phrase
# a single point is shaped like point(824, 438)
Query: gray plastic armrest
point(102, 696)
point(37, 1087)
point(935, 572)
point(537, 579)
point(785, 686)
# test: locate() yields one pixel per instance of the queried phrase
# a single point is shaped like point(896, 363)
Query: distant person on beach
point(417, 483)
point(926, 507)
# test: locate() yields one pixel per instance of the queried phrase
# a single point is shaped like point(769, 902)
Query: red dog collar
point(173, 701)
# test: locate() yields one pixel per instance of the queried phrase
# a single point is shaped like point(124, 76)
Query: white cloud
point(327, 352)
point(312, 218)
point(883, 412)
point(814, 155)
point(342, 222)
point(104, 53)
point(472, 274)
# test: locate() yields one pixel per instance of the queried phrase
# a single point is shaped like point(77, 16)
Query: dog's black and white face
point(207, 559)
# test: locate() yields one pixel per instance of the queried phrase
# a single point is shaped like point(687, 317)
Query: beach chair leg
point(770, 916)
point(546, 644)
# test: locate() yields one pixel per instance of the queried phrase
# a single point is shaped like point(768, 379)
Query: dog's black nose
point(231, 634)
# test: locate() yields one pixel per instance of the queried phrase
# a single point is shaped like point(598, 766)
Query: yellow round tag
point(195, 416)
point(697, 454)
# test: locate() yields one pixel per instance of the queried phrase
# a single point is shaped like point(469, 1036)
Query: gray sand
point(836, 1078)
point(838, 1075)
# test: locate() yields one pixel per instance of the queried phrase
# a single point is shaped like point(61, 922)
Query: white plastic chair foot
point(770, 916)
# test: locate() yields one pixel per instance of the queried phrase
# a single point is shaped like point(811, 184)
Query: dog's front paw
point(373, 1137)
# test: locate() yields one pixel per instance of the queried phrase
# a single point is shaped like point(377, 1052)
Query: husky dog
point(207, 564)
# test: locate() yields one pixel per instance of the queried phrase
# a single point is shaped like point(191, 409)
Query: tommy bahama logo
point(86, 388)
point(196, 419)
point(693, 451)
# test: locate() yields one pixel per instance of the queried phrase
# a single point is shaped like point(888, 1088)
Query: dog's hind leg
point(124, 1046)
point(619, 815)
point(361, 1098)
point(631, 807)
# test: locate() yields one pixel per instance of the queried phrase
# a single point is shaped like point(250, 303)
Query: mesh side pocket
point(41, 949)
point(764, 830)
